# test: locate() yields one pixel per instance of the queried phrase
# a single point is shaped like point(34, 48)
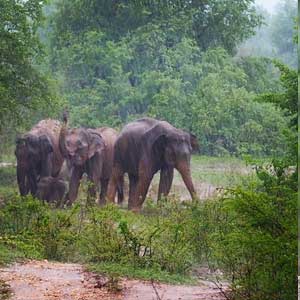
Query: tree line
point(111, 62)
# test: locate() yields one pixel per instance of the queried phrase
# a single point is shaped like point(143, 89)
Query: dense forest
point(225, 71)
point(191, 64)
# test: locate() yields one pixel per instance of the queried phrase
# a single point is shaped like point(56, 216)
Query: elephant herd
point(51, 154)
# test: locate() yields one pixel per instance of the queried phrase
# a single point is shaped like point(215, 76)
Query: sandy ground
point(44, 280)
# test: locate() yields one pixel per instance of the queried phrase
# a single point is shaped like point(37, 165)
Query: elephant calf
point(51, 189)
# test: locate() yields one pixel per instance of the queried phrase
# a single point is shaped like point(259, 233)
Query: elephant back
point(51, 129)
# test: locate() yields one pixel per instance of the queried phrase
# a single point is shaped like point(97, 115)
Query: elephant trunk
point(62, 139)
point(21, 178)
point(185, 172)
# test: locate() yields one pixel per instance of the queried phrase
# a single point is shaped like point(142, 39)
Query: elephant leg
point(120, 189)
point(116, 177)
point(22, 181)
point(74, 185)
point(165, 181)
point(185, 172)
point(104, 185)
point(140, 192)
point(133, 180)
point(94, 171)
point(32, 182)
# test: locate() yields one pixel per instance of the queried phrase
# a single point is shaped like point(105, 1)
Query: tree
point(276, 36)
point(22, 87)
point(211, 22)
point(282, 31)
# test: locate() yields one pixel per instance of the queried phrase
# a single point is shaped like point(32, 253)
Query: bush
point(32, 230)
point(158, 241)
point(251, 234)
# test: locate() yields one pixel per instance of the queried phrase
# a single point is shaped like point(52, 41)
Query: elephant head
point(32, 154)
point(78, 145)
point(173, 148)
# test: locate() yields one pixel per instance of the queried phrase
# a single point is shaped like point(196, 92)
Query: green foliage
point(251, 234)
point(130, 271)
point(283, 30)
point(277, 35)
point(211, 23)
point(287, 100)
point(158, 242)
point(22, 87)
point(208, 93)
point(30, 229)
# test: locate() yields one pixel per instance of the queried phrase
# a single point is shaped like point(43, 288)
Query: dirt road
point(44, 280)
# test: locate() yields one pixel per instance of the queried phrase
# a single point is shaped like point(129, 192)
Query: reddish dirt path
point(43, 280)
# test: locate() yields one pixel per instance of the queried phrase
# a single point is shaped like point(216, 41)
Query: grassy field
point(209, 174)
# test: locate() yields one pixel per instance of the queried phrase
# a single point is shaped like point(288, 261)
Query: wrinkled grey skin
point(38, 155)
point(88, 151)
point(145, 147)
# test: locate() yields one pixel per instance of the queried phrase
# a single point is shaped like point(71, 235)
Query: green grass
point(219, 171)
point(9, 254)
point(130, 271)
point(8, 157)
point(8, 176)
point(8, 182)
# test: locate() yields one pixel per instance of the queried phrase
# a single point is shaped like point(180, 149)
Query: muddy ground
point(44, 280)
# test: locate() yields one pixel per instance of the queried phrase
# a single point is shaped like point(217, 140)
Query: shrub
point(31, 229)
point(251, 234)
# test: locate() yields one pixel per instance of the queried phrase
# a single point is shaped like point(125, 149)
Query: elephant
point(38, 155)
point(145, 147)
point(51, 189)
point(88, 151)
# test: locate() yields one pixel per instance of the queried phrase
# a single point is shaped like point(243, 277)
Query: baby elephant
point(51, 189)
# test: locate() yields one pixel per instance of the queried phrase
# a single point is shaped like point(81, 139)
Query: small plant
point(5, 290)
point(113, 284)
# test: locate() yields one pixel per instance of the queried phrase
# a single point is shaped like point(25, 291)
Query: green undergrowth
point(249, 233)
point(8, 182)
point(221, 172)
point(130, 271)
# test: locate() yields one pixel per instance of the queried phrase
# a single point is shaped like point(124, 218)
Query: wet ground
point(44, 280)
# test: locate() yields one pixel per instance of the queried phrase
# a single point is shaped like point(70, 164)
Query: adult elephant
point(145, 147)
point(88, 151)
point(38, 155)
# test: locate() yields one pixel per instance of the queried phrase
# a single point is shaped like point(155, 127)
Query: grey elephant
point(38, 155)
point(145, 147)
point(88, 151)
point(53, 189)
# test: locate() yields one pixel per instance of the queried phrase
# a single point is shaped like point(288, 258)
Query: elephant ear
point(194, 143)
point(33, 144)
point(155, 138)
point(96, 143)
point(45, 144)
